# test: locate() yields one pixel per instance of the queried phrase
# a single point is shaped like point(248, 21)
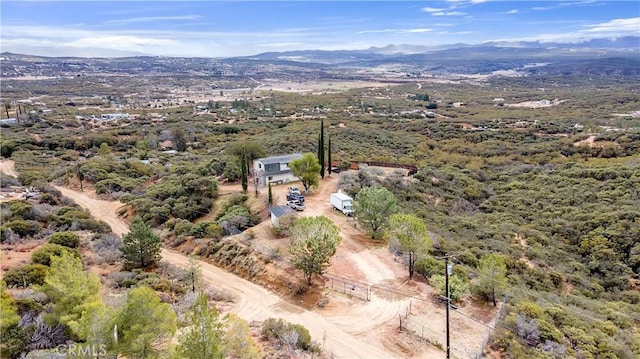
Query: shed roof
point(280, 159)
point(280, 211)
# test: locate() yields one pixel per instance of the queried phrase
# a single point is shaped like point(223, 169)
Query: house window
point(270, 178)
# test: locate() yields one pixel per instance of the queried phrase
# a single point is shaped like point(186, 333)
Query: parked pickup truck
point(296, 205)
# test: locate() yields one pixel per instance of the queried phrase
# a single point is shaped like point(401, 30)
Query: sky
point(242, 28)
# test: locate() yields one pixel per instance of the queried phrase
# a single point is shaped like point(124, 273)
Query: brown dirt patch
point(591, 142)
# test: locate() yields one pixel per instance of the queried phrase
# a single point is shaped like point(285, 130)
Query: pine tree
point(203, 337)
point(270, 195)
point(329, 162)
point(142, 322)
point(141, 246)
point(74, 293)
point(492, 277)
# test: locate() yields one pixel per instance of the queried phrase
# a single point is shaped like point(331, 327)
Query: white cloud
point(418, 30)
point(153, 19)
point(455, 32)
point(616, 25)
point(121, 42)
point(377, 31)
point(514, 11)
point(395, 31)
point(432, 9)
point(449, 13)
point(608, 29)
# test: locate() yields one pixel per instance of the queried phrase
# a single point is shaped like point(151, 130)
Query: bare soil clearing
point(591, 142)
point(8, 167)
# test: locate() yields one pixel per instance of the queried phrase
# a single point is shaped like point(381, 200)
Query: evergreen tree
point(321, 148)
point(270, 195)
point(329, 162)
point(141, 246)
point(74, 293)
point(237, 341)
point(372, 208)
point(306, 169)
point(315, 240)
point(243, 173)
point(12, 338)
point(8, 310)
point(408, 233)
point(202, 339)
point(195, 273)
point(180, 139)
point(492, 276)
point(142, 322)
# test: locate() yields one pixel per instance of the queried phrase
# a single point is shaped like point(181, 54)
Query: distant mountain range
point(616, 57)
point(624, 46)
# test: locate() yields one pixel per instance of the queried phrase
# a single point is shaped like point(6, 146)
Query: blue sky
point(234, 28)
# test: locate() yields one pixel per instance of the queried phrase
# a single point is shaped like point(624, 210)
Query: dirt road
point(256, 303)
point(8, 167)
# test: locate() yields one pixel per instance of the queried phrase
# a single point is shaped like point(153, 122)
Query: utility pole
point(448, 272)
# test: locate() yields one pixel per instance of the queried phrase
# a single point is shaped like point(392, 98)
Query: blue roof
point(280, 211)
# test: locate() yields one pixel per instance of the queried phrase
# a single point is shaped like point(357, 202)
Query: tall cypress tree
point(321, 148)
point(243, 166)
point(329, 163)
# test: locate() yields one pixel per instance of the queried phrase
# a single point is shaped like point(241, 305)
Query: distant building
point(113, 116)
point(9, 121)
point(274, 169)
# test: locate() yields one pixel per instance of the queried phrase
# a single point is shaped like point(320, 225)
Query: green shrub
point(43, 254)
point(206, 229)
point(532, 310)
point(429, 266)
point(27, 275)
point(304, 338)
point(67, 239)
point(24, 228)
point(272, 327)
point(182, 226)
point(20, 209)
point(275, 328)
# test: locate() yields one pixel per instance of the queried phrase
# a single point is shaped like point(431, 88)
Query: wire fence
point(424, 331)
point(349, 287)
point(494, 324)
point(434, 335)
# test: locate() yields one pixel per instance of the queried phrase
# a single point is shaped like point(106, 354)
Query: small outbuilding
point(278, 212)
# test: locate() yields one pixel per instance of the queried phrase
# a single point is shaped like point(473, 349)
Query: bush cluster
point(277, 329)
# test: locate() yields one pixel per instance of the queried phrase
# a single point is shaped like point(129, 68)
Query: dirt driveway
point(255, 302)
point(353, 329)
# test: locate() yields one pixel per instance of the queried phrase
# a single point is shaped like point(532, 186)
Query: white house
point(278, 212)
point(274, 169)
